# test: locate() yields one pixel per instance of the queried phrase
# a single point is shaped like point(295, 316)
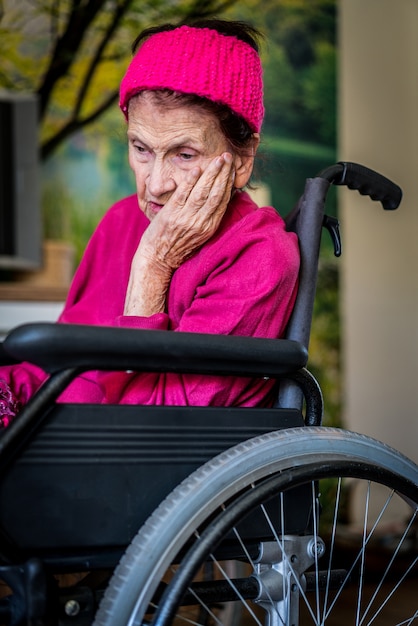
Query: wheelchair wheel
point(350, 560)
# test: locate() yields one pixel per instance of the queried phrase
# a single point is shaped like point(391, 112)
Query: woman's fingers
point(202, 190)
point(208, 193)
point(193, 213)
point(182, 193)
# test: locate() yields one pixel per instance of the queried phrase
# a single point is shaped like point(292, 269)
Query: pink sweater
point(241, 282)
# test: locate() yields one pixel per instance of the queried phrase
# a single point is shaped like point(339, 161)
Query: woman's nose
point(160, 179)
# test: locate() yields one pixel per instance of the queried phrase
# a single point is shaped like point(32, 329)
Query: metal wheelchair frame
point(78, 481)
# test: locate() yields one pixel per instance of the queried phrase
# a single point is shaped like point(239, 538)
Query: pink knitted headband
point(203, 62)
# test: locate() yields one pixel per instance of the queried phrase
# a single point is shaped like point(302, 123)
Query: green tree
point(320, 93)
point(299, 65)
point(72, 53)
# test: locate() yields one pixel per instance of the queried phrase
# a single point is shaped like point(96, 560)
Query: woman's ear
point(244, 163)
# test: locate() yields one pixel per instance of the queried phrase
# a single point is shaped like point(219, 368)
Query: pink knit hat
point(203, 62)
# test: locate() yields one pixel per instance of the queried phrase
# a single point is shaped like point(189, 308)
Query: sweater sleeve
point(91, 300)
point(247, 286)
point(242, 282)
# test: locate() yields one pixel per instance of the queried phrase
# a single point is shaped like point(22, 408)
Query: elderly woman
point(190, 251)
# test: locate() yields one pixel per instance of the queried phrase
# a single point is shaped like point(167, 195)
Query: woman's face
point(165, 143)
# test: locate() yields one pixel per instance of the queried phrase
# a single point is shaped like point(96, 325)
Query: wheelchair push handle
point(366, 181)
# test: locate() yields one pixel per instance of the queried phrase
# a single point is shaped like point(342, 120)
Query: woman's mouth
point(154, 208)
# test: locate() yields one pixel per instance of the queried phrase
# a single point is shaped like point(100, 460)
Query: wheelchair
point(116, 515)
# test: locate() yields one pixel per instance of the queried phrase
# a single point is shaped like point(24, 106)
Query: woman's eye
point(141, 152)
point(186, 156)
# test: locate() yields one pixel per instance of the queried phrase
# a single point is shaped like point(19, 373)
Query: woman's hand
point(190, 217)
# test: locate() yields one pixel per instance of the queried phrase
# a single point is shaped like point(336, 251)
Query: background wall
point(379, 128)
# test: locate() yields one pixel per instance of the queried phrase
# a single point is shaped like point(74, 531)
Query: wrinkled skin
point(185, 173)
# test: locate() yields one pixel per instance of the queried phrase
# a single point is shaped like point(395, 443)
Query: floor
point(395, 612)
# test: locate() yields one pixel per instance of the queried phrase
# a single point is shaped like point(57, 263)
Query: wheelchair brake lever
point(333, 227)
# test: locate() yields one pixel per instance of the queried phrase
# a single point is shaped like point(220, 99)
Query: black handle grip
point(365, 181)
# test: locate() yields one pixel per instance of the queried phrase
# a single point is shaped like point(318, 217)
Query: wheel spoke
point(293, 467)
point(333, 535)
point(385, 574)
point(280, 542)
point(362, 550)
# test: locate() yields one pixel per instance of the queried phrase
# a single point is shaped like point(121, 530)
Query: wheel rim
point(198, 497)
point(368, 608)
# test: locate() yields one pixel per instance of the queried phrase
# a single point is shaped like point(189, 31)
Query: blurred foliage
point(72, 53)
point(324, 348)
point(299, 58)
point(80, 217)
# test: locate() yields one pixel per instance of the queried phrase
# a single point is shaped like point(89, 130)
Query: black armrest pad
point(5, 357)
point(55, 347)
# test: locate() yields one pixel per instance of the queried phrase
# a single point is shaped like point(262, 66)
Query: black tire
point(233, 483)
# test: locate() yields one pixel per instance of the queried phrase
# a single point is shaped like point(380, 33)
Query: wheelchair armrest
point(5, 357)
point(56, 347)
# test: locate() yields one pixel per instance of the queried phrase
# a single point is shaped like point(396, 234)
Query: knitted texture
point(203, 62)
